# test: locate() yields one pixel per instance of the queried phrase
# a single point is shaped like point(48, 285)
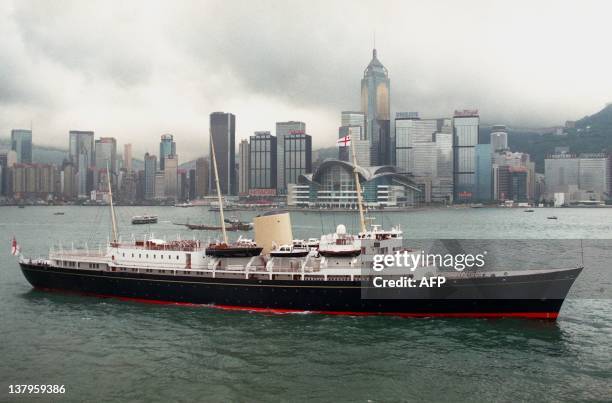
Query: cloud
point(136, 69)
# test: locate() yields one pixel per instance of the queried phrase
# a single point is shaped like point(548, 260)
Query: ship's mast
point(358, 188)
point(112, 207)
point(214, 158)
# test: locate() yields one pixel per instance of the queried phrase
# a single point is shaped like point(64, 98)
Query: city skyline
point(106, 80)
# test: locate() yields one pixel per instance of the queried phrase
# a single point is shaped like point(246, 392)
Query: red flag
point(15, 249)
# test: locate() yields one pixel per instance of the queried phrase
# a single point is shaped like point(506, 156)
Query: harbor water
point(108, 350)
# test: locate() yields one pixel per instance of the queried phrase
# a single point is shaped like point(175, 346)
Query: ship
point(144, 219)
point(335, 279)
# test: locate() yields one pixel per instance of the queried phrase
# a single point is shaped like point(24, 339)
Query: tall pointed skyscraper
point(375, 103)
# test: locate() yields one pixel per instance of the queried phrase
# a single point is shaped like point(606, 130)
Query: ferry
point(144, 219)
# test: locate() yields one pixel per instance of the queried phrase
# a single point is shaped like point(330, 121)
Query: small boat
point(529, 210)
point(240, 225)
point(552, 217)
point(289, 251)
point(298, 248)
point(58, 213)
point(340, 244)
point(21, 206)
point(207, 227)
point(313, 243)
point(242, 247)
point(183, 205)
point(144, 219)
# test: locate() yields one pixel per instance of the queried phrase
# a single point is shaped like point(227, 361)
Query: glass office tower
point(465, 139)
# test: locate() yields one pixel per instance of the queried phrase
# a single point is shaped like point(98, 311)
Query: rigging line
point(321, 219)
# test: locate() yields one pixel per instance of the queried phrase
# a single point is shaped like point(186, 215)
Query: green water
point(109, 350)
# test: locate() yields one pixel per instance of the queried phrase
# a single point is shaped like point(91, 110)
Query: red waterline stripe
point(280, 311)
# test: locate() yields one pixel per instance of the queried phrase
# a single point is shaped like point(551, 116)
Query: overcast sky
point(136, 70)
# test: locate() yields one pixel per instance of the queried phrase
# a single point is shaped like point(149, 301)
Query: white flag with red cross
point(344, 141)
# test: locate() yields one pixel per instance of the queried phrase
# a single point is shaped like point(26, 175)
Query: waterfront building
point(167, 147)
point(81, 154)
point(333, 185)
point(127, 157)
point(594, 176)
point(499, 138)
point(376, 105)
point(297, 156)
point(21, 143)
point(171, 184)
point(31, 181)
point(262, 164)
point(150, 168)
point(519, 184)
point(284, 129)
point(8, 158)
point(192, 184)
point(484, 169)
point(423, 150)
point(140, 185)
point(69, 178)
point(223, 133)
point(465, 139)
point(561, 175)
point(442, 190)
point(243, 168)
point(183, 185)
point(160, 184)
point(202, 177)
point(106, 155)
point(129, 186)
point(505, 164)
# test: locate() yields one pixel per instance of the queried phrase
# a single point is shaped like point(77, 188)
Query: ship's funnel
point(272, 228)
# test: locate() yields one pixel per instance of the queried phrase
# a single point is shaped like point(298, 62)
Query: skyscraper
point(106, 154)
point(167, 147)
point(150, 168)
point(499, 138)
point(223, 134)
point(21, 143)
point(465, 139)
point(202, 175)
point(127, 157)
point(81, 154)
point(262, 162)
point(424, 150)
point(376, 105)
point(297, 156)
point(283, 129)
point(351, 118)
point(243, 168)
point(171, 185)
point(484, 184)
